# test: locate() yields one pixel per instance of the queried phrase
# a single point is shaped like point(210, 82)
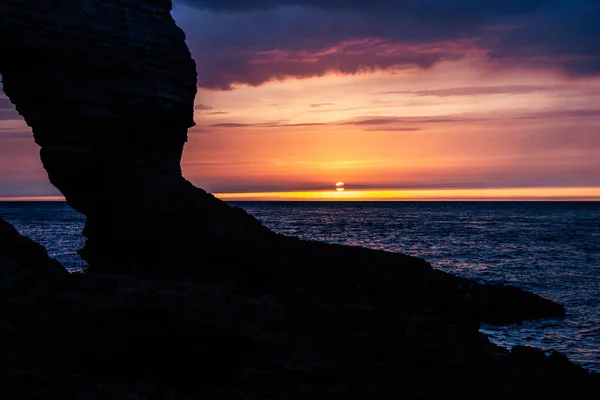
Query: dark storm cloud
point(415, 6)
point(227, 67)
point(567, 37)
point(252, 42)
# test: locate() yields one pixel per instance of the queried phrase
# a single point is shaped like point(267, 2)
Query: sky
point(413, 99)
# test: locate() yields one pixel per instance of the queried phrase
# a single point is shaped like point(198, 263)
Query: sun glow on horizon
point(489, 194)
point(485, 194)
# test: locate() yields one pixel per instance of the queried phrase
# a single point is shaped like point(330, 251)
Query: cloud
point(414, 124)
point(264, 125)
point(360, 108)
point(417, 7)
point(230, 125)
point(6, 134)
point(202, 107)
point(5, 103)
point(196, 130)
point(479, 90)
point(321, 105)
point(306, 124)
point(7, 109)
point(256, 41)
point(584, 113)
point(392, 129)
point(6, 115)
point(374, 121)
point(255, 68)
point(217, 113)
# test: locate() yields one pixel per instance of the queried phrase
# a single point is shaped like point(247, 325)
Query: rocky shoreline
point(186, 297)
point(355, 323)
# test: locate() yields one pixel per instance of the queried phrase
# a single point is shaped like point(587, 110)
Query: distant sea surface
point(549, 248)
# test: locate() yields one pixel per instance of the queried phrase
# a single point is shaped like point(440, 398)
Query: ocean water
point(549, 248)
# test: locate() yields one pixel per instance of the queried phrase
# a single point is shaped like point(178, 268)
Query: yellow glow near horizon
point(589, 194)
point(489, 194)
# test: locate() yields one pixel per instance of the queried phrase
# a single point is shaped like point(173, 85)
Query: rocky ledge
point(355, 323)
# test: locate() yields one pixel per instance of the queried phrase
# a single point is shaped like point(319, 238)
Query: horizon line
point(488, 194)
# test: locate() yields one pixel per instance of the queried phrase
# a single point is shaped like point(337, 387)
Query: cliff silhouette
point(187, 297)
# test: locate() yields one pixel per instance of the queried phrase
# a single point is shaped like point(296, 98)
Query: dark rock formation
point(108, 88)
point(23, 262)
point(406, 332)
point(214, 304)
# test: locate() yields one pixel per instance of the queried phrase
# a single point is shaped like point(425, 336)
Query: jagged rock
point(503, 304)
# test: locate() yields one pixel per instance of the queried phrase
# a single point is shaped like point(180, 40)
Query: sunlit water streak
point(549, 248)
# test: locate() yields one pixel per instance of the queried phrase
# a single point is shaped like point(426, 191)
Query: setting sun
point(339, 186)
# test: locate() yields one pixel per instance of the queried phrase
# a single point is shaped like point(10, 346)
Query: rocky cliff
point(108, 88)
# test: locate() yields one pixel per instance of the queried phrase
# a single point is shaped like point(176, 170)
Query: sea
point(549, 248)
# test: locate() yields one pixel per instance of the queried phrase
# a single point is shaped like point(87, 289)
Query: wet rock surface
point(371, 325)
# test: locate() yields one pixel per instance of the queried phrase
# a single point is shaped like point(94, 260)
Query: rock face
point(406, 332)
point(108, 88)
